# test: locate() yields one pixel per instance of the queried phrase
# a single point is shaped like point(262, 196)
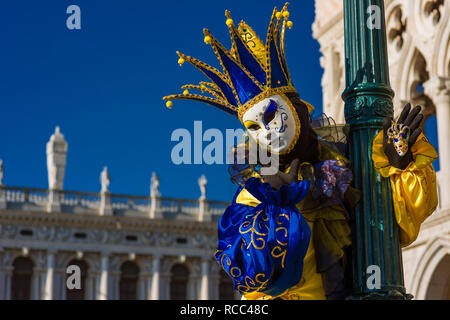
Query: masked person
point(286, 234)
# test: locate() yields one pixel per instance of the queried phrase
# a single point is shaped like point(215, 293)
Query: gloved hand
point(409, 118)
point(281, 178)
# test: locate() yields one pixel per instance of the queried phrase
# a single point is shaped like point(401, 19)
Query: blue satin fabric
point(249, 61)
point(246, 88)
point(224, 87)
point(262, 248)
point(278, 78)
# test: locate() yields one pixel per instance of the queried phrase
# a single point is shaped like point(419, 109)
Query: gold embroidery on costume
point(254, 230)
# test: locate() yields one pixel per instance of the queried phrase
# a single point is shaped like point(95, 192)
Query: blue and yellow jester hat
point(252, 70)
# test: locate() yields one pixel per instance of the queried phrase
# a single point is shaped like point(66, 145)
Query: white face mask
point(273, 123)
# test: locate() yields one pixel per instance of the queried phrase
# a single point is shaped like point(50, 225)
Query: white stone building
point(127, 247)
point(418, 34)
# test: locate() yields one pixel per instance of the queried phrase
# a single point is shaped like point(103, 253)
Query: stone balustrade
point(34, 199)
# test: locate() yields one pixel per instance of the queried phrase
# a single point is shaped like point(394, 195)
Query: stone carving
point(10, 231)
point(7, 258)
point(149, 238)
point(100, 236)
point(45, 233)
point(105, 179)
point(202, 184)
point(433, 9)
point(199, 241)
point(56, 160)
point(397, 28)
point(154, 186)
point(63, 233)
point(165, 239)
point(114, 236)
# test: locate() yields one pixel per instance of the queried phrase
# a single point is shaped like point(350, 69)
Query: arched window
point(439, 283)
point(178, 282)
point(226, 291)
point(129, 273)
point(78, 294)
point(21, 279)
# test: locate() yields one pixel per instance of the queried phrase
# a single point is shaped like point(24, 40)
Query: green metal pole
point(368, 99)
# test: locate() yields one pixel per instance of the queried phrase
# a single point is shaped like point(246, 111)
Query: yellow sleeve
point(414, 190)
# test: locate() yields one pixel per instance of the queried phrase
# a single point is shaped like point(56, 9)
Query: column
point(8, 271)
point(194, 285)
point(368, 100)
point(155, 292)
point(90, 285)
point(39, 274)
point(141, 284)
point(214, 281)
point(35, 287)
point(148, 287)
point(114, 284)
point(102, 287)
point(5, 282)
point(59, 283)
point(438, 89)
point(204, 286)
point(48, 293)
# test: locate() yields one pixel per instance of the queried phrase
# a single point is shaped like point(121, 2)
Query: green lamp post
point(368, 99)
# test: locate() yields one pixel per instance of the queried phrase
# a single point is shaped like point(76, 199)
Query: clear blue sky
point(103, 86)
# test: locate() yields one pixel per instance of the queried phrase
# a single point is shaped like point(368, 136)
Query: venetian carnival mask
point(273, 123)
point(398, 134)
point(253, 84)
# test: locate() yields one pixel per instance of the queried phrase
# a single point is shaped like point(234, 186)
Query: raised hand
point(400, 136)
point(281, 178)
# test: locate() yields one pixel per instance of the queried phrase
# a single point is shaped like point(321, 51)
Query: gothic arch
point(413, 73)
point(433, 254)
point(441, 66)
point(441, 51)
point(397, 25)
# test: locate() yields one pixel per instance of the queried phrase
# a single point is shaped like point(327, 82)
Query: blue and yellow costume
point(291, 243)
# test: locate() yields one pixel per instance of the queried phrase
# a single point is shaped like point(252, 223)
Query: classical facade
point(125, 247)
point(418, 34)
